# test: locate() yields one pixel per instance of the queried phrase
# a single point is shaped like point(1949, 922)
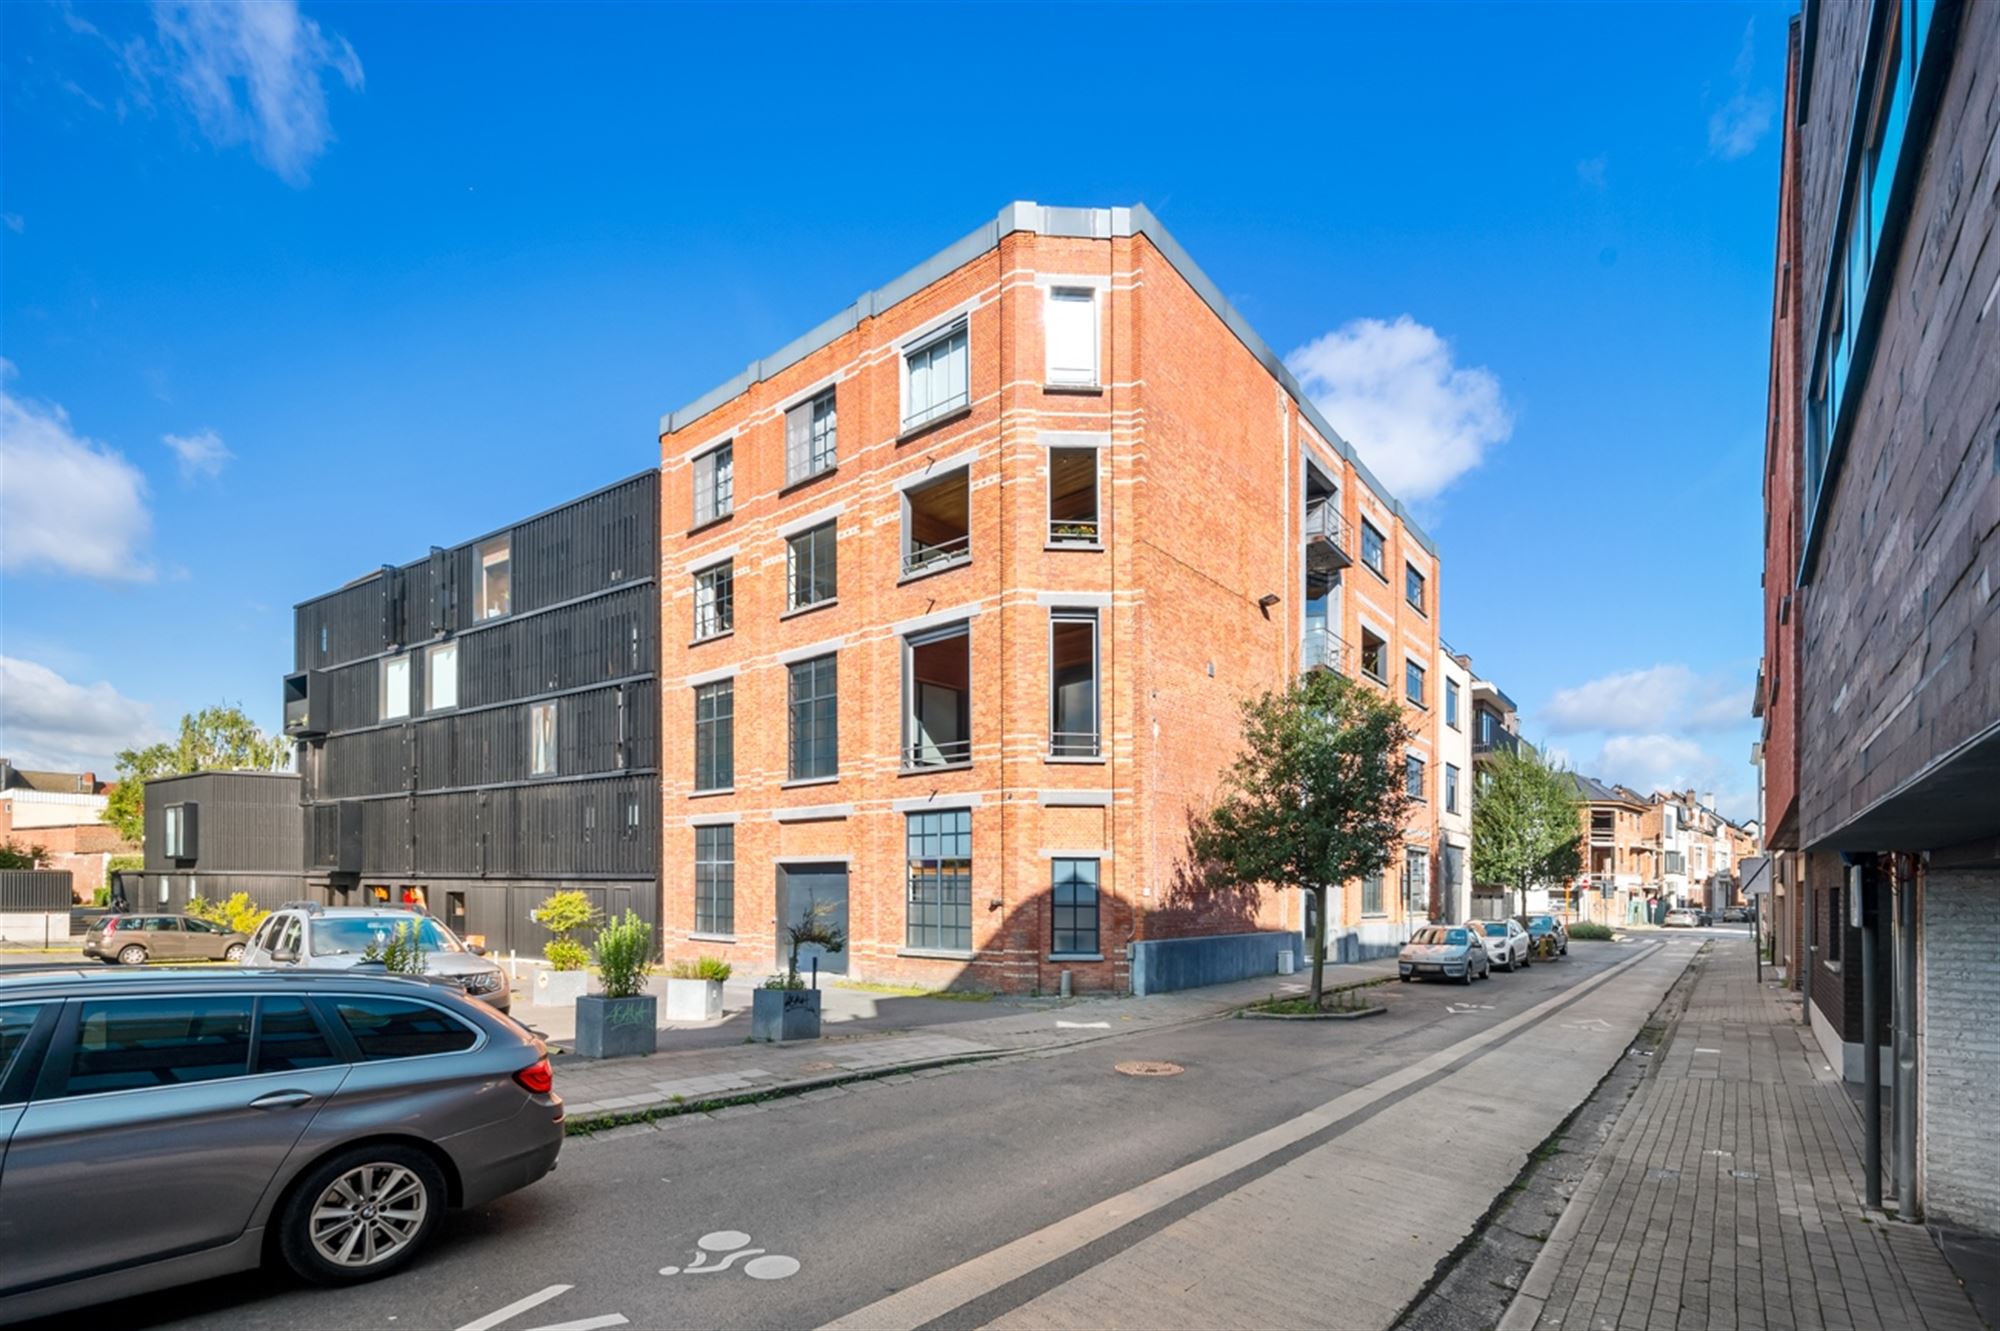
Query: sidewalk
point(691, 1069)
point(1729, 1194)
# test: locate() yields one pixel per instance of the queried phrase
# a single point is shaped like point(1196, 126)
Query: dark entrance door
point(799, 886)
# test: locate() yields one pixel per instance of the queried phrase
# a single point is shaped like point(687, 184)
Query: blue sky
point(286, 294)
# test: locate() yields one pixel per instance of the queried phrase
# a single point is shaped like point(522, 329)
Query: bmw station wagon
point(327, 1119)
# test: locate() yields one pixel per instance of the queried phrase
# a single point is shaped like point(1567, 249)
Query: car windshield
point(1434, 937)
point(1542, 923)
point(1497, 929)
point(354, 934)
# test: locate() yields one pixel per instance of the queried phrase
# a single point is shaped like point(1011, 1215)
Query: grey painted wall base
point(1366, 942)
point(1163, 965)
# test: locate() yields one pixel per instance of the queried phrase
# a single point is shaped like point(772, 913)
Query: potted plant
point(566, 977)
point(784, 1009)
point(694, 989)
point(622, 1020)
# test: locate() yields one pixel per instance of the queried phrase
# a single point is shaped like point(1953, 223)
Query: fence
point(34, 905)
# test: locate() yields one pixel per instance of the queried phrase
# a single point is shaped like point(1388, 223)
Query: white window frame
point(443, 651)
point(952, 327)
point(722, 509)
point(721, 630)
point(804, 410)
point(1072, 376)
point(386, 697)
point(483, 559)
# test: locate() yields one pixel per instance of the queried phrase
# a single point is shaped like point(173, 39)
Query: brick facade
point(1201, 455)
point(1961, 920)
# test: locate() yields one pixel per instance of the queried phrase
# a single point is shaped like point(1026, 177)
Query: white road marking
point(1083, 1025)
point(929, 1299)
point(722, 1241)
point(583, 1324)
point(516, 1308)
point(1589, 1024)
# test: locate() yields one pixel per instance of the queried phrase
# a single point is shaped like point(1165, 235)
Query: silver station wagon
point(218, 1118)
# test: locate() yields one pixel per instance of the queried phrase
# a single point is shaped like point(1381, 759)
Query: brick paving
point(1729, 1194)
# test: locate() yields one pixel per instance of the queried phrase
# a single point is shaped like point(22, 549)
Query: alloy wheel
point(368, 1215)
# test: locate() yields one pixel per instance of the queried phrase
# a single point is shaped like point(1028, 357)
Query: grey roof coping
point(1085, 223)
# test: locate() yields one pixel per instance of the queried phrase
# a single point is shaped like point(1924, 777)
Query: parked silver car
point(1444, 952)
point(1507, 943)
point(318, 937)
point(326, 1118)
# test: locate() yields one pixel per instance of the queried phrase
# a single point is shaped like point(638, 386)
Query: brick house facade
point(962, 592)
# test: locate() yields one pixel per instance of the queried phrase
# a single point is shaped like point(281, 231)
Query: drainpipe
point(1871, 1039)
point(1906, 1037)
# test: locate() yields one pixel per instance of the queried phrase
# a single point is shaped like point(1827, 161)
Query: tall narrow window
point(1451, 703)
point(1372, 548)
point(715, 879)
point(441, 677)
point(937, 698)
point(715, 600)
point(1070, 327)
point(714, 484)
point(542, 739)
point(395, 687)
point(1413, 776)
point(1374, 657)
point(1413, 587)
point(939, 910)
point(1450, 788)
point(1413, 682)
point(809, 567)
point(936, 378)
point(1371, 895)
point(1073, 497)
point(815, 719)
point(937, 523)
point(496, 583)
point(1073, 908)
point(811, 443)
point(1416, 883)
point(715, 735)
point(1073, 731)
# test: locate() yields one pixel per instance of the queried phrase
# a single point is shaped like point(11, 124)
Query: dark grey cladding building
point(214, 834)
point(481, 727)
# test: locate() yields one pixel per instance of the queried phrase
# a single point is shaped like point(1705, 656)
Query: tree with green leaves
point(1318, 796)
point(1525, 827)
point(218, 738)
point(14, 855)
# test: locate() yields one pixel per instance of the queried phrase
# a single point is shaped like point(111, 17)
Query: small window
point(195, 926)
point(1413, 682)
point(814, 718)
point(1070, 334)
point(395, 1028)
point(128, 1044)
point(1371, 895)
point(542, 739)
point(1451, 703)
point(715, 735)
point(1413, 587)
point(179, 832)
point(496, 583)
point(288, 1039)
point(395, 688)
point(1413, 776)
point(936, 378)
point(811, 443)
point(1073, 497)
point(715, 600)
point(1073, 907)
point(1374, 657)
point(1450, 788)
point(715, 879)
point(714, 484)
point(1372, 548)
point(810, 567)
point(441, 677)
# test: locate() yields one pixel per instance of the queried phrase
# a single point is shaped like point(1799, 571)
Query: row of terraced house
point(940, 617)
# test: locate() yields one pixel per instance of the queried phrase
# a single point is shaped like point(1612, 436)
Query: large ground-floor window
point(715, 879)
point(1073, 900)
point(940, 902)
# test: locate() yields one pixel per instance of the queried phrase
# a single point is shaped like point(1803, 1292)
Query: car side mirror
point(284, 956)
point(476, 949)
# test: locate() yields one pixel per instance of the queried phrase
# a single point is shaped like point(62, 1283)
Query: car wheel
point(1466, 979)
point(234, 952)
point(361, 1214)
point(132, 956)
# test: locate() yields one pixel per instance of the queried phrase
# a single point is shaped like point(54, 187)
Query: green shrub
point(566, 954)
point(624, 956)
point(815, 928)
point(239, 914)
point(1590, 933)
point(101, 897)
point(566, 914)
point(701, 968)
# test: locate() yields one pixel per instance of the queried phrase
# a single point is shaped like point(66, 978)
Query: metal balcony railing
point(936, 753)
point(1075, 744)
point(1497, 742)
point(1073, 531)
point(1326, 539)
point(1322, 649)
point(920, 557)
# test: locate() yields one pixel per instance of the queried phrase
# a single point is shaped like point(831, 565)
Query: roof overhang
point(1949, 803)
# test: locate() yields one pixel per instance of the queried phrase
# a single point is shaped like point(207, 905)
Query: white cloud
point(1661, 697)
point(1648, 762)
point(67, 503)
point(254, 73)
point(49, 722)
point(1739, 124)
point(200, 454)
point(1391, 388)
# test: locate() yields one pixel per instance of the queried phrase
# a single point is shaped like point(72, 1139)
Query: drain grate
point(1144, 1068)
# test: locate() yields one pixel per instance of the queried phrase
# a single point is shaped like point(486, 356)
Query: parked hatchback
point(1506, 943)
point(1445, 952)
point(319, 937)
point(327, 1119)
point(134, 940)
point(1542, 926)
point(1681, 918)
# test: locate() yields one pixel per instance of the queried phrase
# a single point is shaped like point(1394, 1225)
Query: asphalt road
point(872, 1190)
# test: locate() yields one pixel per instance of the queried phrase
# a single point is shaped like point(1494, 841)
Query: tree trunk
point(1319, 942)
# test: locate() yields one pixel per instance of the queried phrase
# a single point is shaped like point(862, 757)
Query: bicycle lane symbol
point(728, 1246)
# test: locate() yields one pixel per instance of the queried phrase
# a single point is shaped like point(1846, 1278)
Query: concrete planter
point(694, 1000)
point(554, 988)
point(616, 1027)
point(784, 1014)
point(1355, 1015)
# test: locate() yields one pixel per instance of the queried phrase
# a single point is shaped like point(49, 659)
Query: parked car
point(1540, 925)
point(325, 1118)
point(1446, 952)
point(134, 940)
point(320, 937)
point(1506, 943)
point(1681, 918)
point(1736, 915)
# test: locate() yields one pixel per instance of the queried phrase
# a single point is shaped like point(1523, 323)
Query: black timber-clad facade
point(214, 834)
point(481, 727)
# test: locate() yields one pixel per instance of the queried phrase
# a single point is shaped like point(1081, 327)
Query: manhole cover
point(1148, 1069)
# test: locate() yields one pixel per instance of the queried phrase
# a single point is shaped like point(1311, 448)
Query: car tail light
point(537, 1078)
point(110, 925)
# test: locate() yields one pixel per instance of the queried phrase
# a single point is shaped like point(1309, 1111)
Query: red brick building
point(962, 590)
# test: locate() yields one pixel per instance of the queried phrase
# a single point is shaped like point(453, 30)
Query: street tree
point(14, 855)
point(1317, 797)
point(214, 739)
point(1525, 827)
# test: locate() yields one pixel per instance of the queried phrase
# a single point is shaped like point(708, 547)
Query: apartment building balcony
point(1326, 540)
point(1498, 741)
point(1322, 649)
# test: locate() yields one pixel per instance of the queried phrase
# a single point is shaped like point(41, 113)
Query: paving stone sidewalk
point(671, 1077)
point(1729, 1194)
